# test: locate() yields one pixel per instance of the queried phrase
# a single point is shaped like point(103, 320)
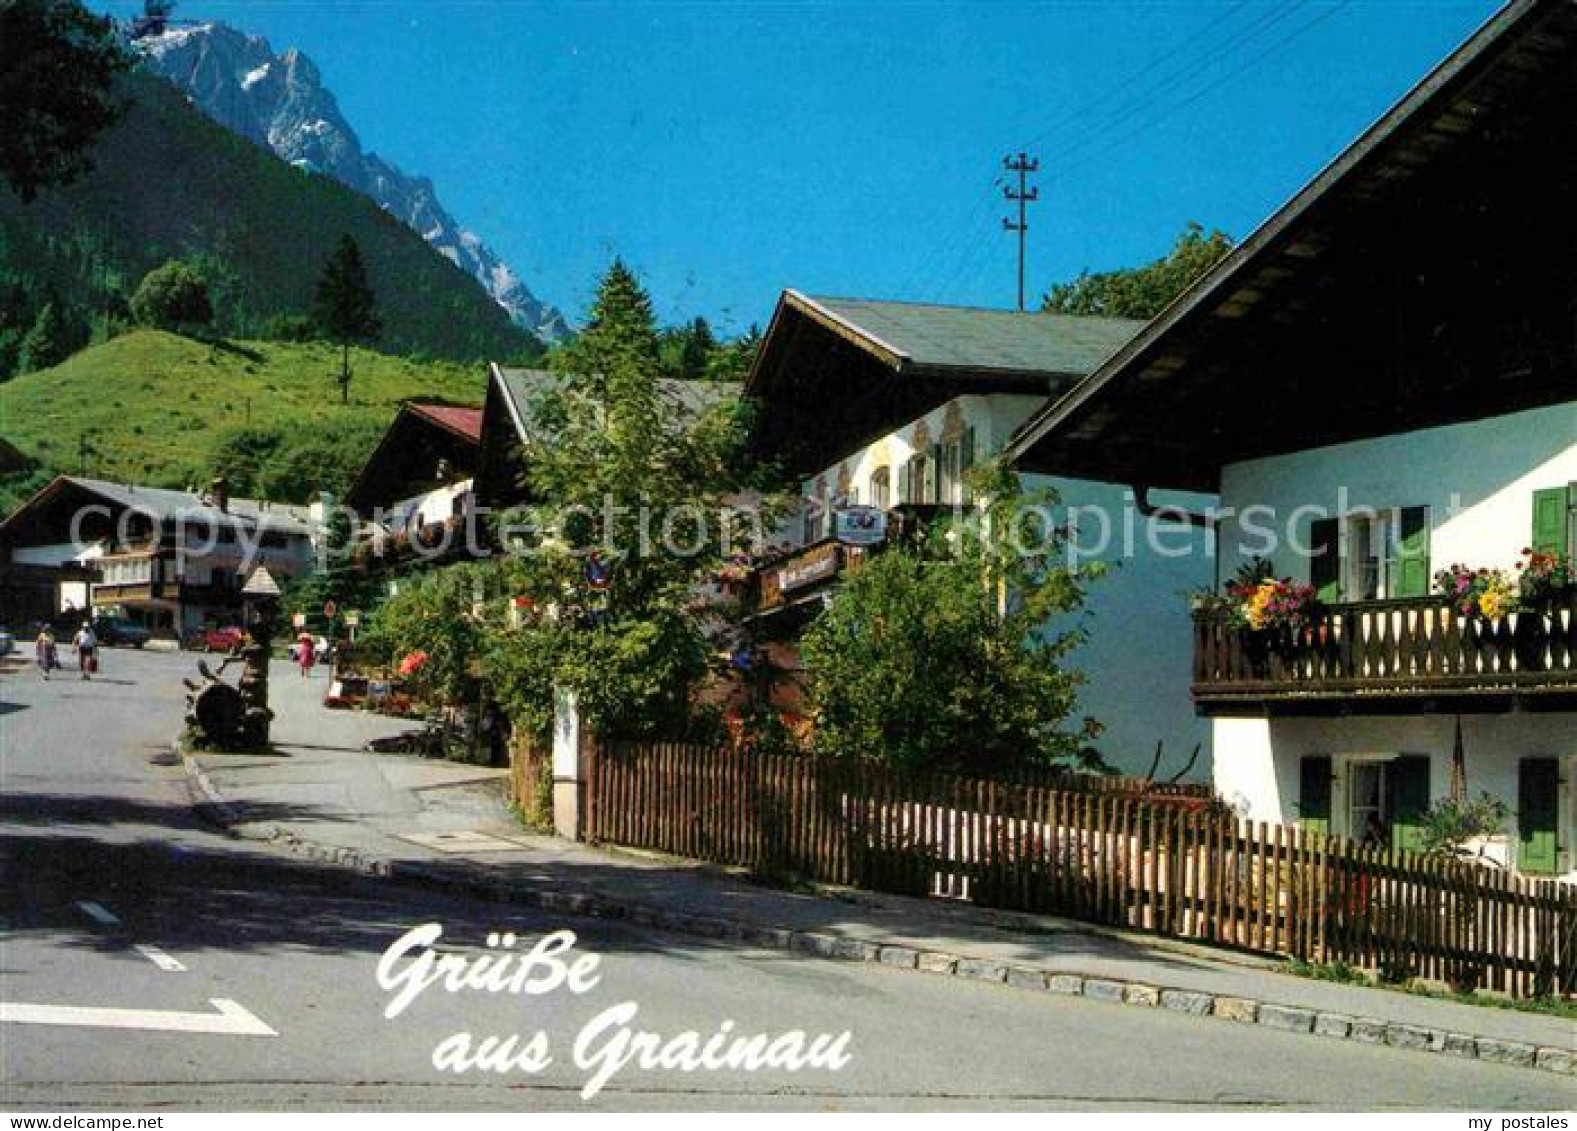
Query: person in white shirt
point(87, 646)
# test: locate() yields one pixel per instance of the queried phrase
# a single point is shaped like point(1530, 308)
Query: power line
point(1177, 107)
point(957, 259)
point(1179, 79)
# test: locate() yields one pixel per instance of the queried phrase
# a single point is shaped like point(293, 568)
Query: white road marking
point(231, 1020)
point(156, 956)
point(98, 913)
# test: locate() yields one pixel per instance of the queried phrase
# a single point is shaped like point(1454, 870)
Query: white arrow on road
point(231, 1020)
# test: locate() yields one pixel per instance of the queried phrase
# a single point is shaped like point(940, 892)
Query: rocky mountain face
point(280, 103)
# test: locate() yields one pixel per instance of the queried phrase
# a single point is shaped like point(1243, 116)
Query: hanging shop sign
point(860, 526)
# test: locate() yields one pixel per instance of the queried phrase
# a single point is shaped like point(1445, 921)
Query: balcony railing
point(1400, 649)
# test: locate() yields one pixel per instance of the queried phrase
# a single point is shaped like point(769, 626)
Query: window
point(954, 459)
point(881, 488)
point(920, 478)
point(1371, 555)
point(1367, 818)
point(1386, 800)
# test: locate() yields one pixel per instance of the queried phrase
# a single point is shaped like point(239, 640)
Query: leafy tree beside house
point(628, 518)
point(345, 307)
point(1142, 292)
point(173, 296)
point(950, 654)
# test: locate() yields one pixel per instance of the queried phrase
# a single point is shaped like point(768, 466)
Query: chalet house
point(887, 405)
point(172, 561)
point(415, 495)
point(421, 471)
point(1381, 384)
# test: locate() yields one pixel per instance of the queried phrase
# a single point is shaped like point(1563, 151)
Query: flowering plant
point(413, 662)
point(1486, 593)
point(735, 570)
point(1543, 576)
point(1270, 603)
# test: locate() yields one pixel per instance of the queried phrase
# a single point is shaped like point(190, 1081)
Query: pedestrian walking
point(44, 651)
point(87, 646)
point(306, 654)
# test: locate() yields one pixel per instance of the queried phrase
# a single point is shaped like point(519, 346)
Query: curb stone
point(1332, 1026)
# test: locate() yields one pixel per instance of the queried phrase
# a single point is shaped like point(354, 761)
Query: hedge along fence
point(1177, 864)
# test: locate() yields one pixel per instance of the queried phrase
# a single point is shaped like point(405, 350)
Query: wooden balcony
point(1391, 656)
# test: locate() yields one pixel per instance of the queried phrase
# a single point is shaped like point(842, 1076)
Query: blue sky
point(729, 150)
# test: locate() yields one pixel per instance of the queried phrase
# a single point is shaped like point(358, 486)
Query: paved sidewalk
point(446, 823)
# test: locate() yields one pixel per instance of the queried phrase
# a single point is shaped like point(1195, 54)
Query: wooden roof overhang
point(1427, 276)
point(46, 517)
point(823, 387)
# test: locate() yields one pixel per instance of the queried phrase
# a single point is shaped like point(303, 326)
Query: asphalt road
point(252, 979)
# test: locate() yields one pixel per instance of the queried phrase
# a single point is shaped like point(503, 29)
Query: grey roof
point(522, 387)
point(165, 503)
point(926, 336)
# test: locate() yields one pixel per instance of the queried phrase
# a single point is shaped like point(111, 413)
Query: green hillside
point(170, 183)
point(169, 411)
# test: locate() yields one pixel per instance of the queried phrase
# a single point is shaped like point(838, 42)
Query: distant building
point(169, 560)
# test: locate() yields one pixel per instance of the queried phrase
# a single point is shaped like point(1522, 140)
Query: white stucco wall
point(432, 506)
point(1477, 479)
point(1257, 760)
point(1139, 655)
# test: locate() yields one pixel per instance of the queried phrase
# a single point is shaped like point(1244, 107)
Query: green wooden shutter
point(1537, 779)
point(933, 475)
point(1551, 533)
point(1407, 781)
point(1314, 793)
point(905, 483)
point(1412, 560)
point(1325, 564)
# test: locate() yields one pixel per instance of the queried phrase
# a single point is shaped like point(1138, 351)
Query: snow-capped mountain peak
point(279, 102)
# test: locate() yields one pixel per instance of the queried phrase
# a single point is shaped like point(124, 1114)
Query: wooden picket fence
point(1177, 864)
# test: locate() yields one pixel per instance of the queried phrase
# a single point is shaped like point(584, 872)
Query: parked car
point(7, 644)
point(223, 639)
point(118, 632)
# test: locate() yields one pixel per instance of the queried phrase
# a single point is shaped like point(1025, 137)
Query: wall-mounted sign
point(859, 526)
point(809, 568)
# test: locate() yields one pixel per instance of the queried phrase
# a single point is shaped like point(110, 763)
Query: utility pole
point(1023, 165)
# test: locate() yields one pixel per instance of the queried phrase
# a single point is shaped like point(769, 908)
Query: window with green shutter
point(1537, 840)
point(905, 483)
point(1552, 509)
point(1407, 783)
point(1314, 793)
point(1325, 566)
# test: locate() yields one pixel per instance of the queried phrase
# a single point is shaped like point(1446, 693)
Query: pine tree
point(345, 306)
point(694, 355)
point(47, 343)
